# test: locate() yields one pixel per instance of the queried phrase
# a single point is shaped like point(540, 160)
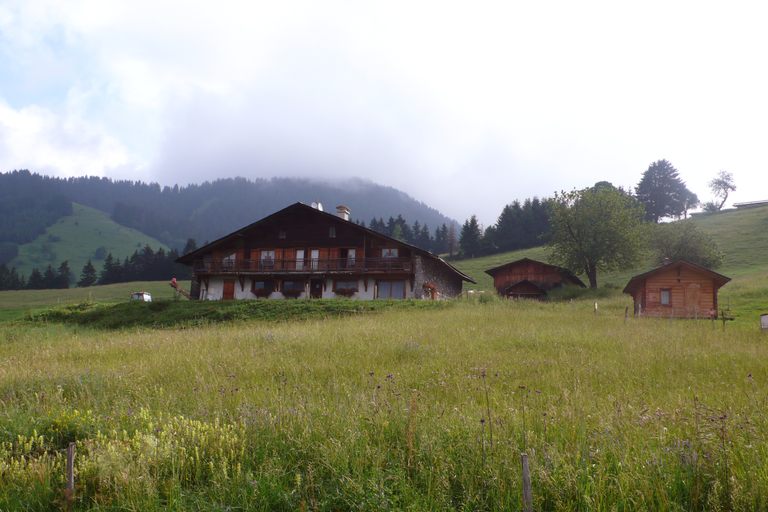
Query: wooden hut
point(678, 289)
point(527, 278)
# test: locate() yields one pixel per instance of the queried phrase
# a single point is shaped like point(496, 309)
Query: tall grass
point(391, 411)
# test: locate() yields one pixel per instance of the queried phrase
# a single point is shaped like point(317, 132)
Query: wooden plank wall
point(692, 293)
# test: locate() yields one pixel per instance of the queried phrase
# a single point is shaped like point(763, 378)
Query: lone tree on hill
point(721, 185)
point(663, 193)
point(684, 241)
point(598, 228)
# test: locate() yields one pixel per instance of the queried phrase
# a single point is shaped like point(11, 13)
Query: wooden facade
point(679, 289)
point(527, 278)
point(302, 251)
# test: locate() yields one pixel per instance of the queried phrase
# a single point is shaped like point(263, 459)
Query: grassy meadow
point(423, 409)
point(400, 405)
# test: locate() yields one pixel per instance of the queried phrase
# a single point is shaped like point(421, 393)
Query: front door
point(316, 288)
point(229, 289)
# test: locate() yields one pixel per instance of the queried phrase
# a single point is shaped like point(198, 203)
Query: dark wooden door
point(316, 288)
point(229, 289)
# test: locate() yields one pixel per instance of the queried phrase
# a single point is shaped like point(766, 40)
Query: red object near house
point(679, 289)
point(527, 278)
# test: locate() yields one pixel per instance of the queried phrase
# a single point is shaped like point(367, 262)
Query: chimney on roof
point(343, 212)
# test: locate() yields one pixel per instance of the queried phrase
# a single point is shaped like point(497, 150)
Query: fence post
point(70, 492)
point(527, 496)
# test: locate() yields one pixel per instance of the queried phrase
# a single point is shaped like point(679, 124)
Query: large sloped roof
point(635, 282)
point(563, 271)
point(188, 258)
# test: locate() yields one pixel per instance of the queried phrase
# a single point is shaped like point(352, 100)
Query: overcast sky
point(466, 106)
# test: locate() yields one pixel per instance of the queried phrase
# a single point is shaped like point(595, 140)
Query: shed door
point(692, 294)
point(229, 289)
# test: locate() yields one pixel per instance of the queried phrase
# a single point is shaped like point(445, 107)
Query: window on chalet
point(281, 234)
point(267, 259)
point(390, 290)
point(292, 289)
point(228, 261)
point(389, 253)
point(666, 297)
point(262, 288)
point(332, 232)
point(345, 286)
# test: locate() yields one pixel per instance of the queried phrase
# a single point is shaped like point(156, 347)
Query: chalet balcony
point(305, 266)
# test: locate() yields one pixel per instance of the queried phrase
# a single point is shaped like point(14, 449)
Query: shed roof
point(188, 258)
point(635, 282)
point(563, 271)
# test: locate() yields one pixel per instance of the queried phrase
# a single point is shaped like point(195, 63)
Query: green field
point(16, 304)
point(419, 410)
point(76, 237)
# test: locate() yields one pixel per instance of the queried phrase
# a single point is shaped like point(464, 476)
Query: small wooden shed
point(527, 278)
point(679, 289)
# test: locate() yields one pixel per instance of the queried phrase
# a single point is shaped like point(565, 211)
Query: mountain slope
point(212, 209)
point(76, 238)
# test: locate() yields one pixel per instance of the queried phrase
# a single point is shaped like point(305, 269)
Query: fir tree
point(35, 281)
point(87, 276)
point(64, 275)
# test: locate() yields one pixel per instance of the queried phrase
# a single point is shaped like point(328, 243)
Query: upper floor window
point(389, 253)
point(267, 258)
point(332, 232)
point(281, 234)
point(229, 260)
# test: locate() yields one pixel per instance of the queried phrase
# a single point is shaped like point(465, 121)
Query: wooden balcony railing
point(303, 266)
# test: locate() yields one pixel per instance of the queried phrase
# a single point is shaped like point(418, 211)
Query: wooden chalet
point(531, 279)
point(304, 252)
point(678, 289)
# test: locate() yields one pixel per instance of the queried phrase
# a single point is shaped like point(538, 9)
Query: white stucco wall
point(215, 290)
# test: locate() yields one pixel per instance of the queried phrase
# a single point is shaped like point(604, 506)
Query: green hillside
point(742, 236)
point(76, 238)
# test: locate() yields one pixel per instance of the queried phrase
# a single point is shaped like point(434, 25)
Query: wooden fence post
point(527, 495)
point(70, 492)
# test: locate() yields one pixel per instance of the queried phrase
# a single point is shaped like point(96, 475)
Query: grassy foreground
point(418, 409)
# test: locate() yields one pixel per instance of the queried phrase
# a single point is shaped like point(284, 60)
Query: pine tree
point(111, 271)
point(35, 281)
point(87, 276)
point(451, 240)
point(191, 245)
point(662, 192)
point(50, 279)
point(469, 242)
point(64, 275)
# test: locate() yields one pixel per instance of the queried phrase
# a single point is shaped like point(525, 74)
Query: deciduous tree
point(721, 185)
point(595, 229)
point(684, 241)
